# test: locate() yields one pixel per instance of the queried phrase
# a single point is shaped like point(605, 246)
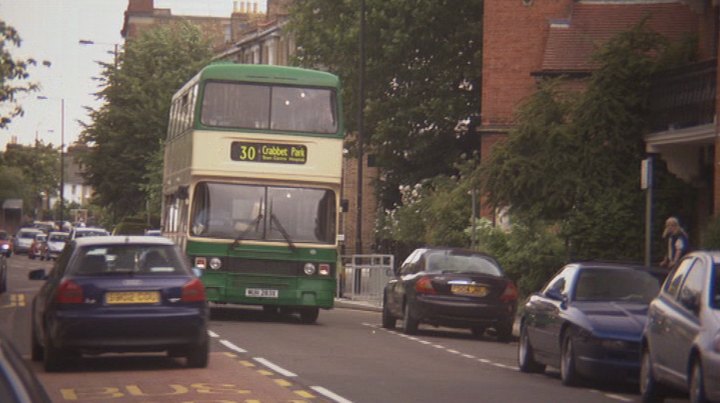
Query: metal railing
point(364, 277)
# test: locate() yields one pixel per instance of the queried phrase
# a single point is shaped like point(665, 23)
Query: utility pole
point(361, 113)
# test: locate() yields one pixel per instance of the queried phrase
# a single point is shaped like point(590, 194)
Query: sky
point(51, 30)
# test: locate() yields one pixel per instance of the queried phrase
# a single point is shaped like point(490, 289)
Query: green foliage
point(435, 212)
point(528, 254)
point(13, 74)
point(575, 159)
point(127, 132)
point(711, 235)
point(423, 61)
point(32, 170)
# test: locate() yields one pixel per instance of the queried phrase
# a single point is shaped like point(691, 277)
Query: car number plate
point(470, 289)
point(134, 297)
point(261, 293)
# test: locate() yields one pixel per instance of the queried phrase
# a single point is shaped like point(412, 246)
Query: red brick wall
point(514, 39)
point(513, 43)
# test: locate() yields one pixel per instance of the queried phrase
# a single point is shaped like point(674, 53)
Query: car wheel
point(3, 284)
point(410, 322)
point(53, 357)
point(568, 372)
point(199, 355)
point(309, 315)
point(697, 385)
point(36, 353)
point(478, 331)
point(526, 358)
point(650, 390)
point(504, 330)
point(388, 321)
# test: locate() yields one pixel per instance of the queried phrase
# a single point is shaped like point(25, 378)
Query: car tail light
point(193, 291)
point(69, 292)
point(424, 286)
point(510, 294)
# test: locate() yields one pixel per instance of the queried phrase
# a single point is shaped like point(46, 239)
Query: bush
point(711, 235)
point(529, 254)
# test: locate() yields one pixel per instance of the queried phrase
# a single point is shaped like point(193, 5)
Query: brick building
point(557, 37)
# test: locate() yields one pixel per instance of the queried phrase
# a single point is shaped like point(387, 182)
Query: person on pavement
point(677, 243)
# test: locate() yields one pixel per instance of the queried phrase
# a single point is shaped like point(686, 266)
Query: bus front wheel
point(309, 315)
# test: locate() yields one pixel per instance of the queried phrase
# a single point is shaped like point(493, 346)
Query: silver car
point(681, 341)
point(55, 244)
point(24, 238)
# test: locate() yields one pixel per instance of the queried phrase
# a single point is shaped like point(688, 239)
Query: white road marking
point(213, 334)
point(232, 346)
point(280, 370)
point(330, 395)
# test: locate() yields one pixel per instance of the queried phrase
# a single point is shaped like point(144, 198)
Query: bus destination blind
point(268, 152)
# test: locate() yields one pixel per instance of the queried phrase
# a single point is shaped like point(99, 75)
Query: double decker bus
point(251, 184)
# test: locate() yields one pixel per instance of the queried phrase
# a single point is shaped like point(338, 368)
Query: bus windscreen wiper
point(273, 218)
point(253, 226)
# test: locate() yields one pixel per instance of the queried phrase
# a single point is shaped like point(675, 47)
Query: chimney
point(141, 5)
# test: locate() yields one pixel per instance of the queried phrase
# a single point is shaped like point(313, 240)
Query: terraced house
point(557, 37)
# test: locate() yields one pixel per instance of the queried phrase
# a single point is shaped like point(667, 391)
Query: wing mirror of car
point(556, 295)
point(198, 272)
point(37, 274)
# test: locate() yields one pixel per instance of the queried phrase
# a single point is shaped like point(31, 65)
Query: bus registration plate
point(261, 293)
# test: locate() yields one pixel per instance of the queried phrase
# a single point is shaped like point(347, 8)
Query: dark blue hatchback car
point(119, 294)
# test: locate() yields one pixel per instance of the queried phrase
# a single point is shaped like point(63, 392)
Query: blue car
point(681, 343)
point(588, 322)
point(119, 294)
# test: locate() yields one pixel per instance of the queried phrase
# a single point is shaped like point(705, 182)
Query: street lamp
point(114, 52)
point(62, 157)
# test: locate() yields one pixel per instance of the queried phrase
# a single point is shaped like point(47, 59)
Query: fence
point(364, 277)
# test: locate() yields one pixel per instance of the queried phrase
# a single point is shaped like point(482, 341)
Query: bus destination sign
point(269, 152)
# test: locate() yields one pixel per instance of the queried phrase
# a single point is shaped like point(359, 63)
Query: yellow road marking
point(283, 383)
point(247, 363)
point(265, 372)
point(16, 300)
point(305, 394)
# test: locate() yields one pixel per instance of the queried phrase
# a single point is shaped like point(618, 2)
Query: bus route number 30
point(267, 152)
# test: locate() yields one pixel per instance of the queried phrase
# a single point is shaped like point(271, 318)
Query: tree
point(40, 171)
point(422, 76)
point(576, 163)
point(13, 74)
point(127, 132)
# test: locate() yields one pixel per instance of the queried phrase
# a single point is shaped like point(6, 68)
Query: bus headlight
point(201, 262)
point(215, 263)
point(309, 269)
point(324, 269)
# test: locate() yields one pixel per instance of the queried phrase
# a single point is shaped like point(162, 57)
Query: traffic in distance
point(257, 225)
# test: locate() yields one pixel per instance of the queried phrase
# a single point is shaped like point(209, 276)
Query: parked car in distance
point(38, 246)
point(19, 383)
point(119, 294)
point(681, 342)
point(6, 244)
point(588, 321)
point(79, 232)
point(451, 287)
point(24, 238)
point(55, 243)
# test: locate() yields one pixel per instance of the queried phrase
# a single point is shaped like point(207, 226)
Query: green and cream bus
point(251, 184)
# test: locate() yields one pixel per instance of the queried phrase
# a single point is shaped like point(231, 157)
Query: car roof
point(58, 233)
point(123, 239)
